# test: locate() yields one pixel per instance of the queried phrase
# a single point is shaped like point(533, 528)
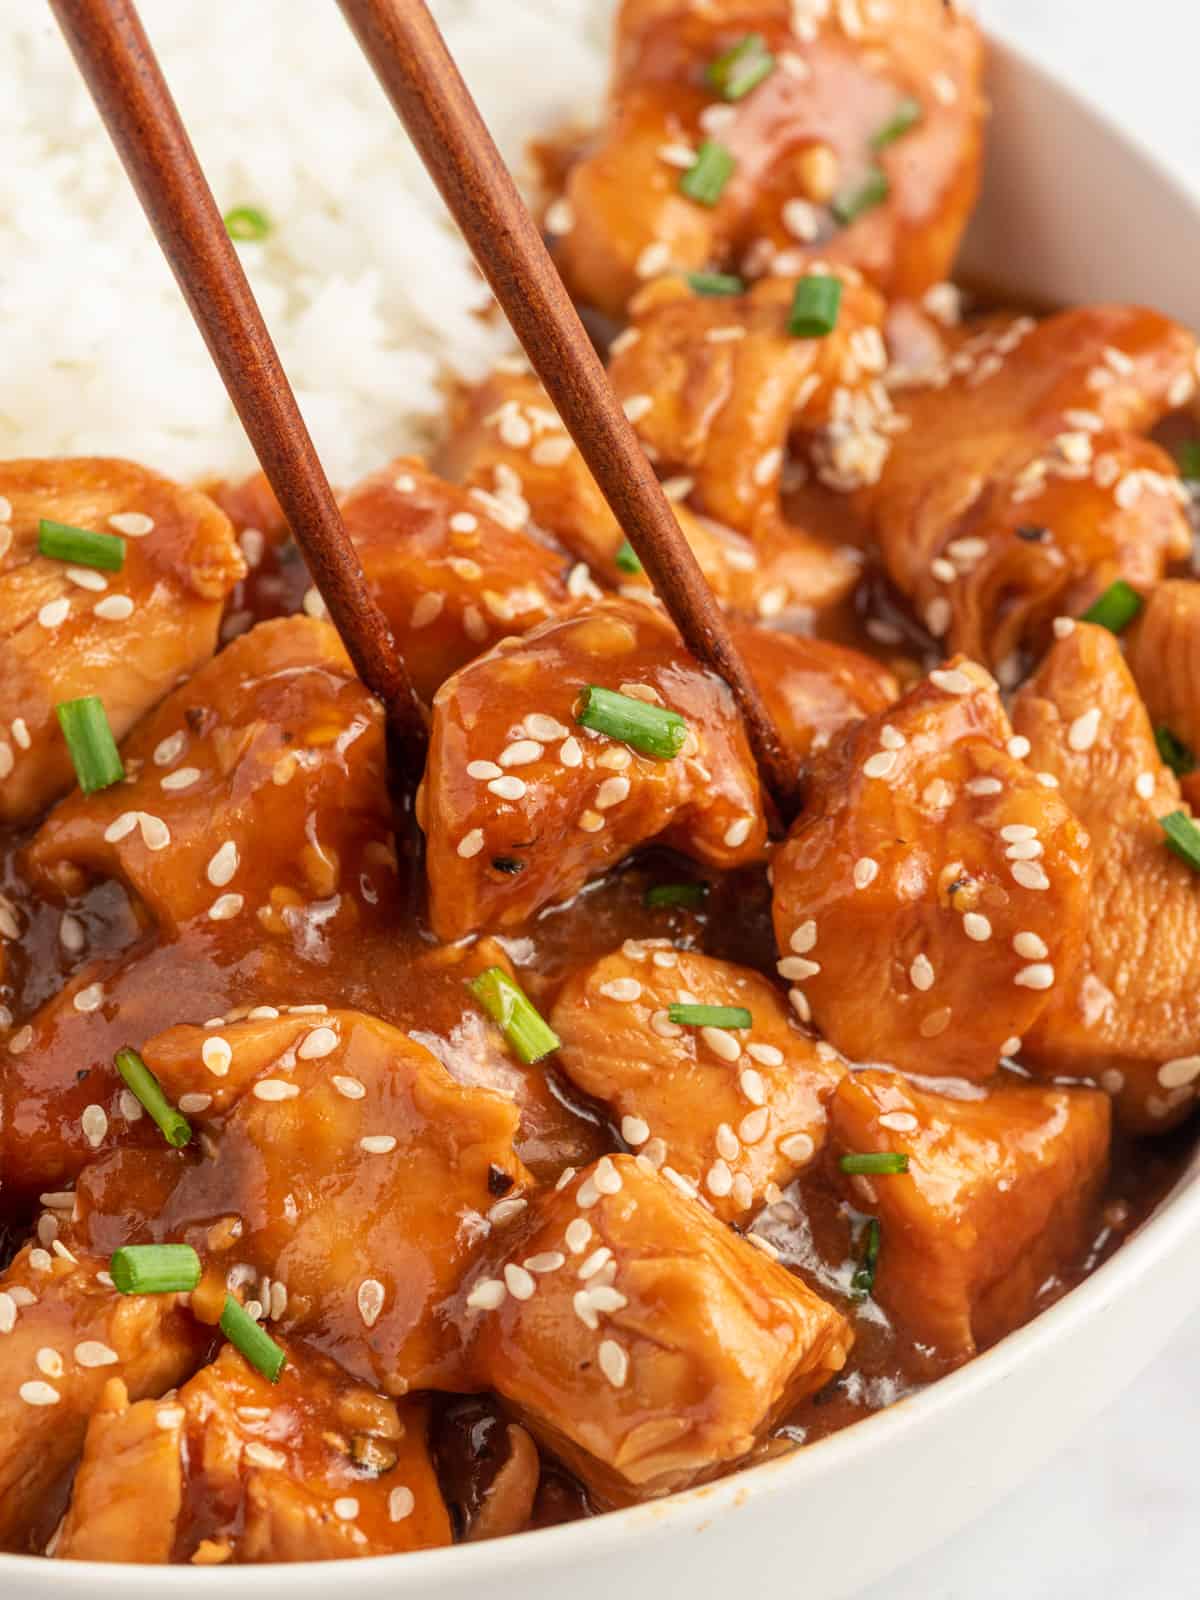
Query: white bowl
point(1073, 211)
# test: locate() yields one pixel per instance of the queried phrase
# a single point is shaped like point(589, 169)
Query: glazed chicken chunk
point(1128, 1010)
point(858, 144)
point(521, 804)
point(70, 630)
point(237, 1469)
point(342, 1170)
point(1023, 488)
point(64, 1332)
point(1164, 658)
point(731, 1113)
point(813, 689)
point(932, 888)
point(644, 1343)
point(999, 1196)
point(252, 793)
point(451, 577)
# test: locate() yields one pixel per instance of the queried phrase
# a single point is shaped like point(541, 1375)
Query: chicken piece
point(1127, 1011)
point(359, 1173)
point(718, 388)
point(640, 1340)
point(238, 1469)
point(813, 689)
point(1021, 489)
point(255, 791)
point(63, 1333)
point(932, 887)
point(521, 805)
point(731, 1113)
point(999, 1197)
point(451, 578)
point(67, 630)
point(508, 443)
point(805, 145)
point(1163, 651)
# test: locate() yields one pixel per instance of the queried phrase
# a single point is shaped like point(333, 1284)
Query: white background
point(1115, 1515)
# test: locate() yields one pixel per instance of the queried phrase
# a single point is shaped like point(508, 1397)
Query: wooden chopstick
point(115, 57)
point(410, 58)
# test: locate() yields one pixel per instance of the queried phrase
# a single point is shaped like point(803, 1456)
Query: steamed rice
point(367, 288)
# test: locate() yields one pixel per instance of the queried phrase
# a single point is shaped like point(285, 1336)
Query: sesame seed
point(865, 872)
point(801, 219)
point(935, 1023)
point(718, 1180)
point(20, 1041)
point(89, 999)
point(570, 753)
point(1018, 747)
point(370, 1298)
point(37, 1393)
point(427, 608)
point(520, 753)
point(753, 1125)
point(225, 907)
point(275, 1089)
point(1029, 875)
point(224, 864)
point(798, 1001)
point(316, 1045)
point(8, 1312)
point(216, 1055)
point(345, 1507)
point(463, 522)
point(87, 578)
point(1047, 780)
point(768, 466)
point(578, 1235)
point(519, 1283)
point(611, 793)
point(401, 1503)
point(94, 1123)
point(952, 681)
point(54, 613)
point(507, 788)
point(505, 1210)
point(797, 1147)
point(614, 1362)
point(314, 605)
point(1029, 947)
point(546, 1261)
point(984, 786)
point(1081, 735)
point(133, 524)
point(1178, 1073)
point(797, 968)
point(591, 822)
point(653, 260)
point(750, 1082)
point(938, 614)
point(259, 1454)
point(767, 1054)
point(1144, 785)
point(891, 738)
point(1040, 975)
point(721, 1043)
point(487, 1295)
point(621, 989)
point(921, 973)
point(595, 1263)
point(606, 1177)
point(182, 778)
point(1017, 832)
point(348, 1088)
point(377, 1144)
point(738, 832)
point(899, 1122)
point(944, 571)
point(804, 938)
point(471, 844)
point(91, 1353)
point(1010, 1047)
point(114, 608)
point(880, 765)
point(977, 927)
point(637, 406)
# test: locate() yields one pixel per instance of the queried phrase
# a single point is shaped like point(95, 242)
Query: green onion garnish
point(627, 558)
point(89, 739)
point(653, 730)
point(247, 224)
point(1175, 754)
point(177, 1130)
point(815, 307)
point(705, 180)
point(258, 1347)
point(1183, 836)
point(1116, 607)
point(906, 115)
point(710, 1016)
point(863, 1280)
point(741, 68)
point(876, 1161)
point(1188, 456)
point(154, 1269)
point(59, 541)
point(675, 894)
point(848, 206)
point(713, 283)
point(518, 1019)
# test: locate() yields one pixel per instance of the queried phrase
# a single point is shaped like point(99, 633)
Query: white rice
point(367, 288)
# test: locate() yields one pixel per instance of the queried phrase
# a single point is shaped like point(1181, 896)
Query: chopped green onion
point(1183, 836)
point(258, 1347)
point(1188, 456)
point(89, 739)
point(59, 541)
point(177, 1130)
point(653, 730)
point(848, 206)
point(876, 1161)
point(815, 307)
point(1174, 752)
point(676, 894)
point(1116, 607)
point(863, 1281)
point(741, 68)
point(627, 558)
point(710, 1016)
point(247, 224)
point(518, 1019)
point(713, 283)
point(906, 115)
point(705, 180)
point(154, 1269)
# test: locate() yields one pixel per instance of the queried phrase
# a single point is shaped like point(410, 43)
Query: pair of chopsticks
point(410, 58)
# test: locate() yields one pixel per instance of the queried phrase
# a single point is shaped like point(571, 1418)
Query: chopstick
point(414, 66)
point(119, 66)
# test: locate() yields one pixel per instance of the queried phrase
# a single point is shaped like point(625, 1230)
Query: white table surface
point(1114, 1515)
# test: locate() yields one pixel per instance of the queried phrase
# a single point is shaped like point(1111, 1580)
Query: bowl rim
point(530, 1553)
